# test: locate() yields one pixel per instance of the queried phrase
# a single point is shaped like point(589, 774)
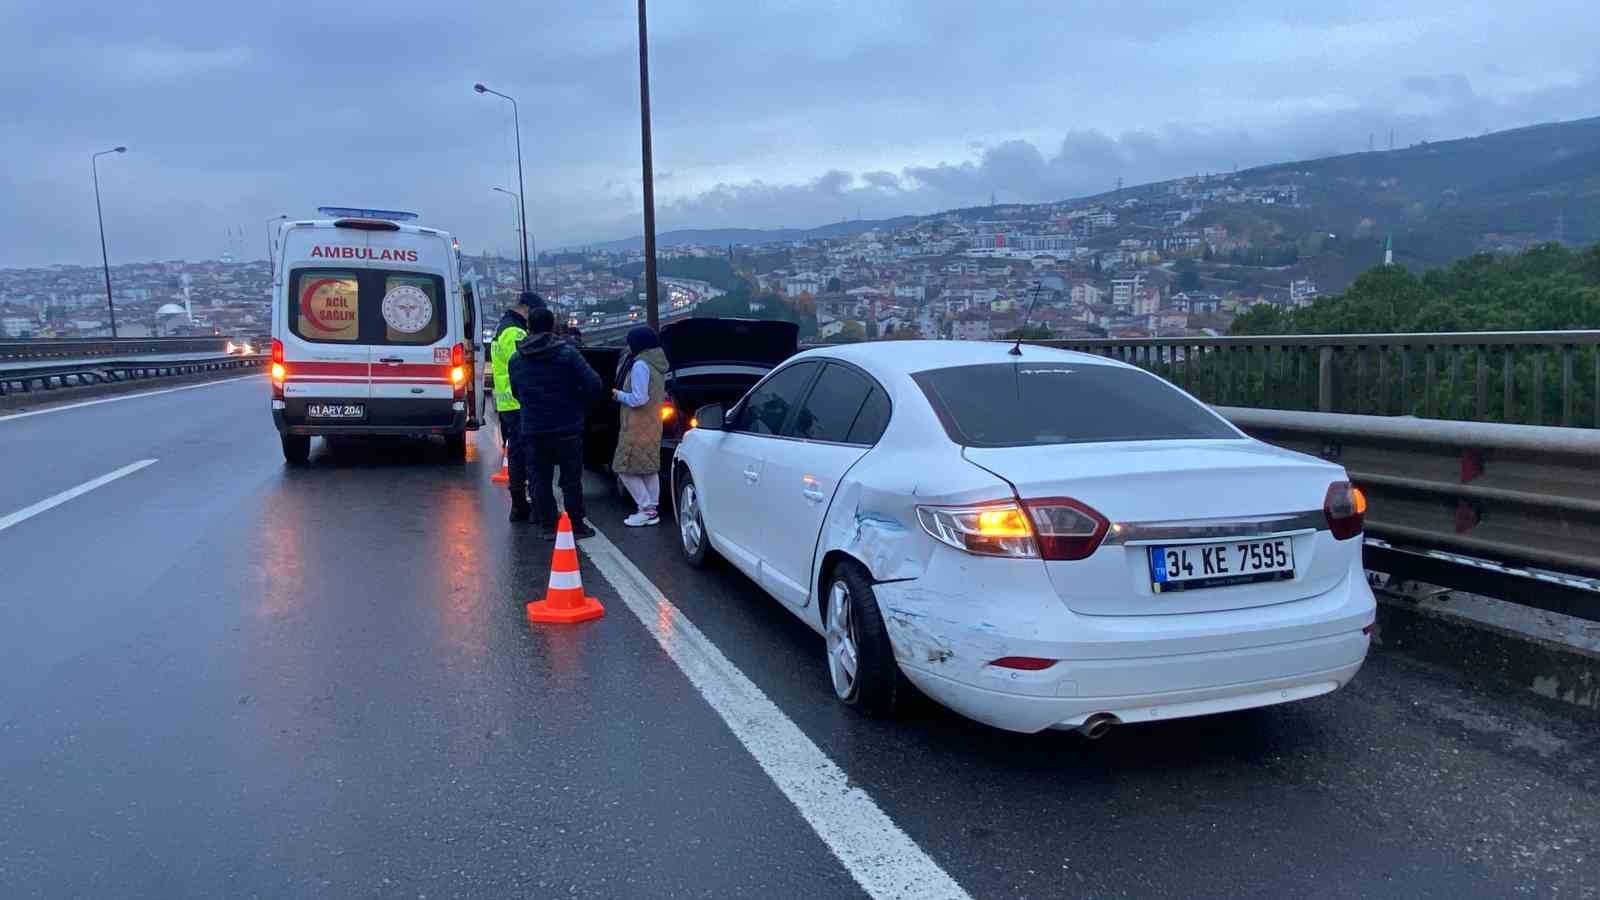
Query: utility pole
point(522, 206)
point(652, 302)
point(105, 261)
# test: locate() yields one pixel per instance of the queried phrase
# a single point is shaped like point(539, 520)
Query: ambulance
point(374, 332)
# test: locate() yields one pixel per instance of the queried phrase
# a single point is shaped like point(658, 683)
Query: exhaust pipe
point(1096, 726)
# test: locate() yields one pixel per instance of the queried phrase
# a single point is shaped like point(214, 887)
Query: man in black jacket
point(554, 385)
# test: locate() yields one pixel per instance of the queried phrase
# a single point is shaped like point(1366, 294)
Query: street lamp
point(522, 240)
point(272, 243)
point(105, 261)
point(521, 205)
point(652, 302)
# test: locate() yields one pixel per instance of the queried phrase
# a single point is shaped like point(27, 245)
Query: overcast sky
point(766, 114)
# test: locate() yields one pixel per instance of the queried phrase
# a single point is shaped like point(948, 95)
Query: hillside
point(690, 237)
point(1500, 192)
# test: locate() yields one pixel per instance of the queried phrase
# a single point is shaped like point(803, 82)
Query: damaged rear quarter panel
point(932, 597)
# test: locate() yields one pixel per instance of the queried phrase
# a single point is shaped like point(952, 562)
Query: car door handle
point(752, 476)
point(391, 360)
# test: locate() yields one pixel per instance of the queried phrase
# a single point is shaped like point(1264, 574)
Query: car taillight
point(1346, 509)
point(1065, 528)
point(667, 412)
point(988, 529)
point(279, 370)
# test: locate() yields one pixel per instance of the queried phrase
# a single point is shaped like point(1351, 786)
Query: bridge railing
point(1513, 377)
point(73, 348)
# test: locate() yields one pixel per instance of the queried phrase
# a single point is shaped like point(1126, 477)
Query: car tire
point(296, 449)
point(693, 539)
point(856, 638)
point(455, 447)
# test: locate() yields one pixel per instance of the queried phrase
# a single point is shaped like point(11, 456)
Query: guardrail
point(59, 348)
point(1526, 377)
point(1512, 495)
point(102, 371)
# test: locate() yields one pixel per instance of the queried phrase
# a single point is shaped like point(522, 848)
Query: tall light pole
point(105, 261)
point(272, 244)
point(652, 304)
point(522, 239)
point(516, 121)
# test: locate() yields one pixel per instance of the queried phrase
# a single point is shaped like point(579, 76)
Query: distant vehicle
point(711, 360)
point(1051, 540)
point(373, 333)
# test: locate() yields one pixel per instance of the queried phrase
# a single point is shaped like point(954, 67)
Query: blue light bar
point(349, 212)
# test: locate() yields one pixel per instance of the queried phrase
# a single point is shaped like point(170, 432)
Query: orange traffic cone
point(565, 602)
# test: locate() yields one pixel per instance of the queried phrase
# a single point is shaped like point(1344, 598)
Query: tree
point(1188, 276)
point(835, 285)
point(1029, 333)
point(852, 332)
point(1263, 318)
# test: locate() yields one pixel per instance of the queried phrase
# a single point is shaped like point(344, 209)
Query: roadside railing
point(1513, 377)
point(70, 348)
point(31, 376)
point(1511, 495)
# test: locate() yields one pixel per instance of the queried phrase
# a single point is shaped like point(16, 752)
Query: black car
point(710, 360)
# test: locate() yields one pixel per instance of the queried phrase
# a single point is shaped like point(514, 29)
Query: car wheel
point(860, 658)
point(296, 449)
point(455, 447)
point(692, 538)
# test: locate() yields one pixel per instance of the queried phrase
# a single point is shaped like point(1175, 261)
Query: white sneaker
point(642, 518)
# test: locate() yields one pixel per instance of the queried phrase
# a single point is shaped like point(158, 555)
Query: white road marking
point(883, 859)
point(67, 406)
point(28, 512)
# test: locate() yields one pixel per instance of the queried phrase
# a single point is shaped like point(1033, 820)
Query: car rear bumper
point(1137, 668)
point(1286, 679)
point(397, 418)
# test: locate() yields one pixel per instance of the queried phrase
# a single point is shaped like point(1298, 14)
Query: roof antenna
point(1016, 349)
point(1056, 284)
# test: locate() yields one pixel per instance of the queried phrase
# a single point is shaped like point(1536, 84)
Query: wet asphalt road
point(222, 677)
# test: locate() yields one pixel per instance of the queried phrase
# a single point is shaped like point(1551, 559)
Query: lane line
point(883, 860)
point(28, 512)
point(186, 387)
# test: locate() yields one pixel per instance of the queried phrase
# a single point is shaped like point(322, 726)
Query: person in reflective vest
point(513, 327)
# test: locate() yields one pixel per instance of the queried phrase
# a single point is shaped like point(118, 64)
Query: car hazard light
point(1345, 507)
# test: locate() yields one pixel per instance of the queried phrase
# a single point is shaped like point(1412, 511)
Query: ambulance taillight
point(458, 368)
point(279, 372)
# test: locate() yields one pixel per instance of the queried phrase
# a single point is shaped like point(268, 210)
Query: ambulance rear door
point(477, 350)
point(415, 336)
point(323, 352)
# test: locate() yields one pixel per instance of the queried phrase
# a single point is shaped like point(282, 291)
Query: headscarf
point(640, 339)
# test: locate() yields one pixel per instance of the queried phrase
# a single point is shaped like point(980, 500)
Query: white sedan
point(1050, 540)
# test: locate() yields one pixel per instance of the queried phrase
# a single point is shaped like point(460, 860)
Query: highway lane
point(1403, 784)
point(228, 678)
point(219, 676)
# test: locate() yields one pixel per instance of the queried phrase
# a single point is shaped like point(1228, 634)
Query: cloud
point(160, 62)
point(764, 114)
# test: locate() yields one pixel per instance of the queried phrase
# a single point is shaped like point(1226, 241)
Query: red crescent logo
point(307, 310)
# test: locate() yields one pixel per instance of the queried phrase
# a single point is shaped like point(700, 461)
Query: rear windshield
point(366, 306)
point(1028, 403)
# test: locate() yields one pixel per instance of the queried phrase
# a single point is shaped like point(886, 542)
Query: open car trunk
point(710, 361)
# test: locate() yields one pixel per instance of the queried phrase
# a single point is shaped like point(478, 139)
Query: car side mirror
point(710, 417)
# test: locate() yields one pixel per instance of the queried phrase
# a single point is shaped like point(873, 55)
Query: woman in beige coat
point(640, 389)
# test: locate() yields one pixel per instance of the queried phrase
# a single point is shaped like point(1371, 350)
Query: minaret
point(1388, 250)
